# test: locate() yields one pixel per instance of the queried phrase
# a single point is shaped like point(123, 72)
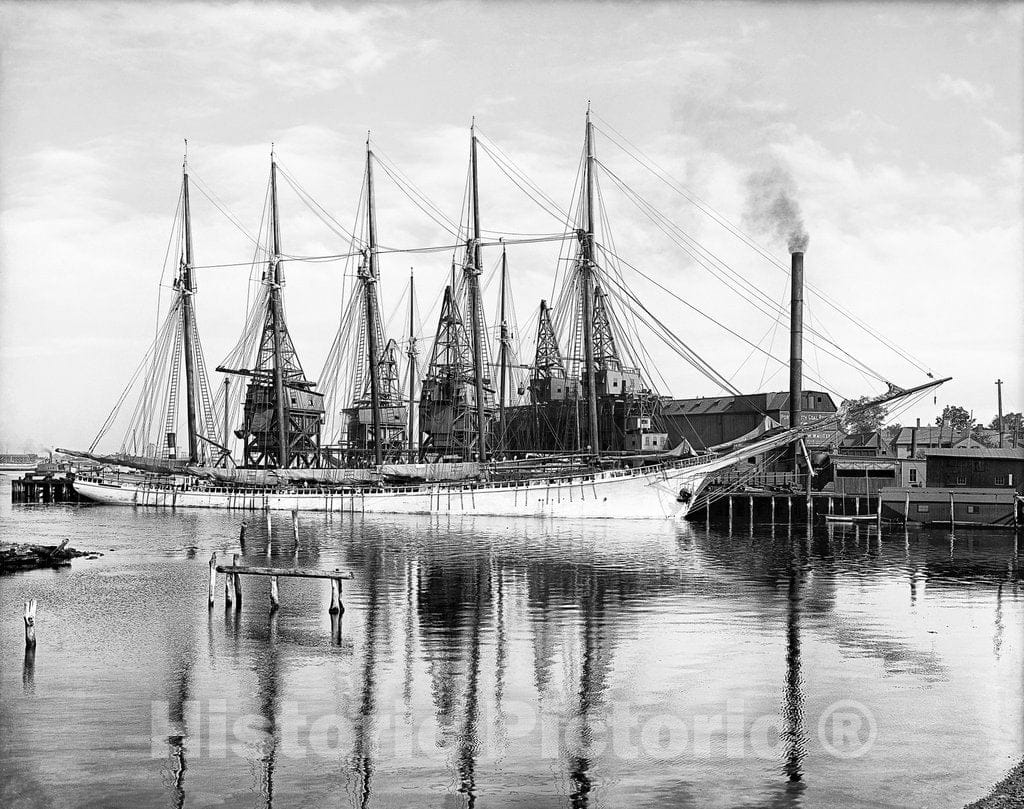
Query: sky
point(899, 128)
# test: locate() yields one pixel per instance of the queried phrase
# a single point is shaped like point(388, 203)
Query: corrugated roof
point(750, 403)
point(1007, 453)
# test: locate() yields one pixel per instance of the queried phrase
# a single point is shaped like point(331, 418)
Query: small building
point(978, 437)
point(911, 473)
point(928, 437)
point(868, 445)
point(714, 420)
point(977, 467)
point(861, 476)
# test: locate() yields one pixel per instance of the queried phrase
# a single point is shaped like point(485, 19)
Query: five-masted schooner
point(586, 444)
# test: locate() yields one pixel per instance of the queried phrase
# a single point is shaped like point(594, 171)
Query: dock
point(45, 487)
point(760, 506)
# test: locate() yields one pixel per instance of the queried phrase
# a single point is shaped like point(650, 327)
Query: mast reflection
point(376, 624)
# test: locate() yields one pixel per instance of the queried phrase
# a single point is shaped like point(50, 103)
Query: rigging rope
point(649, 164)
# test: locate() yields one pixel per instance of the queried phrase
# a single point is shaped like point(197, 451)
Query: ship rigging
point(586, 403)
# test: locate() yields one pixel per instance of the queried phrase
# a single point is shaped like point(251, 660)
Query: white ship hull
point(660, 492)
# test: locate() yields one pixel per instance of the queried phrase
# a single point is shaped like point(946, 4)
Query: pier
point(36, 487)
point(781, 507)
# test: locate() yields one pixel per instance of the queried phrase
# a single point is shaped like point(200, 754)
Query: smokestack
point(796, 340)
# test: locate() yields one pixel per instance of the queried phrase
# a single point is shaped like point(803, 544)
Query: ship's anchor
point(684, 496)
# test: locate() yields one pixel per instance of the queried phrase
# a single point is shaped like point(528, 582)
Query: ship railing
point(540, 482)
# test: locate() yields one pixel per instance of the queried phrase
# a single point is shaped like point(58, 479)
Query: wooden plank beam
point(297, 572)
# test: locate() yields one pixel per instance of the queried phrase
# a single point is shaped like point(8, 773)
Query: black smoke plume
point(772, 207)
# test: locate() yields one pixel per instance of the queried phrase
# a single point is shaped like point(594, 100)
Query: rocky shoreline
point(15, 557)
point(1007, 794)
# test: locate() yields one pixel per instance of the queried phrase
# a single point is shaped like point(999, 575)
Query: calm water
point(496, 662)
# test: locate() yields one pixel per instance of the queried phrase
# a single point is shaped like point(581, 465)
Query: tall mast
point(188, 321)
point(502, 351)
point(474, 307)
point(370, 293)
point(588, 292)
point(411, 352)
point(277, 316)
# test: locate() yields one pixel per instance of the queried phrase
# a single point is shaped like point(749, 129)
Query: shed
point(977, 467)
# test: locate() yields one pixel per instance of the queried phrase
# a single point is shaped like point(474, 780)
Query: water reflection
point(456, 627)
point(28, 670)
point(376, 621)
point(180, 711)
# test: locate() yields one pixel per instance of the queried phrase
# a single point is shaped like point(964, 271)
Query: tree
point(955, 417)
point(892, 432)
point(1010, 421)
point(862, 417)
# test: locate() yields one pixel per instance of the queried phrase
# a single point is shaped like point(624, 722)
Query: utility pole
point(370, 293)
point(999, 395)
point(188, 320)
point(277, 317)
point(587, 237)
point(473, 277)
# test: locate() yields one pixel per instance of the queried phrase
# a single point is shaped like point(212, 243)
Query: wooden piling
point(751, 509)
point(237, 582)
point(229, 590)
point(906, 508)
point(335, 596)
point(269, 531)
point(789, 507)
point(952, 516)
point(241, 537)
point(295, 526)
point(773, 510)
point(831, 506)
point(275, 600)
point(30, 624)
point(856, 505)
point(730, 509)
point(213, 576)
point(878, 512)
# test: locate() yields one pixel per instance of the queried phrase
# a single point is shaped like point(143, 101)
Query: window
point(1000, 480)
point(922, 508)
point(972, 509)
point(961, 480)
point(913, 476)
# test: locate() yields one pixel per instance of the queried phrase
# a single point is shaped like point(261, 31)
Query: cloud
point(947, 87)
point(97, 96)
point(230, 52)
